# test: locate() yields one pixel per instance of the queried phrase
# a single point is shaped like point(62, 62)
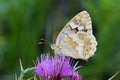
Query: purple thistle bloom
point(56, 68)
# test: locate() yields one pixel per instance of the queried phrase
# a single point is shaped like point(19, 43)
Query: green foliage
point(24, 22)
point(21, 26)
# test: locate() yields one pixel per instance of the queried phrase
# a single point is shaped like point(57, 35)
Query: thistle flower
point(56, 68)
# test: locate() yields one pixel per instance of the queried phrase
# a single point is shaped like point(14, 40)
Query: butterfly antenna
point(43, 41)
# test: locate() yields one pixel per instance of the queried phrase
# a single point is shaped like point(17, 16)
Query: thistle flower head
point(56, 68)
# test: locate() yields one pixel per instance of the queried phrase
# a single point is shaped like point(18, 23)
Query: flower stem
point(25, 71)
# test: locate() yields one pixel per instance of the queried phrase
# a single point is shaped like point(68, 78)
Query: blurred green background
point(24, 22)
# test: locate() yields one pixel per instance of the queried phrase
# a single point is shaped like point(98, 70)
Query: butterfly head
point(54, 46)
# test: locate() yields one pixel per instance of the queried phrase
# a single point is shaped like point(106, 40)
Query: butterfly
point(76, 39)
